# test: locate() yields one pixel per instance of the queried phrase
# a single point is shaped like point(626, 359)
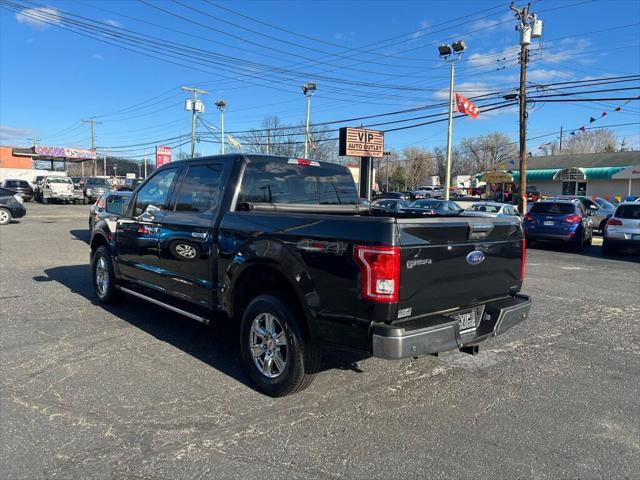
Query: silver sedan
point(490, 209)
point(622, 229)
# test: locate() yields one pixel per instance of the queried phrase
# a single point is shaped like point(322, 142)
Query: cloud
point(113, 23)
point(493, 57)
point(31, 41)
point(563, 50)
point(489, 25)
point(11, 134)
point(468, 89)
point(39, 18)
point(424, 24)
point(97, 56)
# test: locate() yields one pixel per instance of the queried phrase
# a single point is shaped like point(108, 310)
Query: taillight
point(615, 222)
point(573, 218)
point(380, 267)
point(529, 218)
point(523, 259)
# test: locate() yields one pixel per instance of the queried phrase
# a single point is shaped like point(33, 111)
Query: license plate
point(466, 321)
point(635, 236)
point(549, 223)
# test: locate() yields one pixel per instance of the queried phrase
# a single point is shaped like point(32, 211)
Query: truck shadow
point(83, 235)
point(215, 344)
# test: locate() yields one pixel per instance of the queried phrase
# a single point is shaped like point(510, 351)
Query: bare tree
point(481, 154)
point(418, 165)
point(592, 141)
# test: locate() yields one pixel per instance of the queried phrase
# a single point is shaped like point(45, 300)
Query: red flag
point(617, 109)
point(603, 114)
point(582, 129)
point(465, 106)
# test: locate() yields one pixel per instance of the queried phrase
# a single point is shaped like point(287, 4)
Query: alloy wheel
point(102, 276)
point(269, 345)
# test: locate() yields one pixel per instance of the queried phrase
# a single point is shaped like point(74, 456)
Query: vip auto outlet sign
point(163, 155)
point(358, 142)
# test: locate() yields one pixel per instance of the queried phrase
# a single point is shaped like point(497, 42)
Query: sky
point(367, 58)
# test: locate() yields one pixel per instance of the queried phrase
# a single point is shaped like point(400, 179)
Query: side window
point(154, 194)
point(116, 204)
point(200, 189)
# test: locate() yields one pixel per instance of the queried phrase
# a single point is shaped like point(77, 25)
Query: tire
point(589, 240)
point(85, 201)
point(45, 200)
point(602, 225)
point(606, 248)
point(103, 277)
point(5, 216)
point(277, 367)
point(578, 245)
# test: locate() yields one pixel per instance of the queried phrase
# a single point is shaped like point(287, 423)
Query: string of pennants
point(583, 128)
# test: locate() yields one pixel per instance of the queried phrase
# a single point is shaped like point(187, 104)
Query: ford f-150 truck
point(285, 247)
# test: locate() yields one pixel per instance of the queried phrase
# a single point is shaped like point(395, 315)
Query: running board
point(165, 305)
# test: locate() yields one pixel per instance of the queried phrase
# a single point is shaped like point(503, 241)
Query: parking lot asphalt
point(134, 391)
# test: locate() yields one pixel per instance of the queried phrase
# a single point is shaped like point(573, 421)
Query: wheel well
point(97, 241)
point(263, 279)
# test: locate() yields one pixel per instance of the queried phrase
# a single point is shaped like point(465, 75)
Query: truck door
point(137, 233)
point(188, 235)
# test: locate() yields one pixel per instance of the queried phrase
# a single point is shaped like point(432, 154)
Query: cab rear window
point(292, 183)
point(553, 208)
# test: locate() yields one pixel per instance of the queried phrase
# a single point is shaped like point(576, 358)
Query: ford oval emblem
point(475, 258)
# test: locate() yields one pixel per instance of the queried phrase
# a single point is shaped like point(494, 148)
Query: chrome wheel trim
point(186, 251)
point(268, 345)
point(4, 216)
point(102, 277)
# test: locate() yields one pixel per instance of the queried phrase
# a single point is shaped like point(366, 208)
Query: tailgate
point(454, 262)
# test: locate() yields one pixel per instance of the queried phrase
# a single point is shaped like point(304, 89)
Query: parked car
point(398, 195)
point(285, 249)
point(490, 209)
point(93, 188)
point(59, 189)
point(37, 187)
point(389, 204)
point(11, 206)
point(129, 185)
point(623, 228)
point(78, 182)
point(439, 207)
point(109, 207)
point(564, 221)
point(428, 192)
point(598, 208)
point(19, 186)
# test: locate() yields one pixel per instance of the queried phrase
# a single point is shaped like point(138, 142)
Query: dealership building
point(27, 163)
point(608, 175)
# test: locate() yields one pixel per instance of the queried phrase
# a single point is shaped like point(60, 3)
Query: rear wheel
point(103, 277)
point(578, 245)
point(5, 216)
point(276, 353)
point(85, 201)
point(45, 200)
point(606, 248)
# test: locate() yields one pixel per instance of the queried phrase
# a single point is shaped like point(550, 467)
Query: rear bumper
point(557, 237)
point(62, 196)
point(393, 342)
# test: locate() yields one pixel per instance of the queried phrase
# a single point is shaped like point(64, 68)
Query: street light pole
point(447, 180)
point(222, 105)
point(451, 54)
point(308, 89)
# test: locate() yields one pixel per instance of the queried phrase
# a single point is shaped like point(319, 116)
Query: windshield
point(290, 183)
point(16, 183)
point(485, 208)
point(603, 203)
point(59, 180)
point(631, 212)
point(426, 204)
point(97, 182)
point(553, 208)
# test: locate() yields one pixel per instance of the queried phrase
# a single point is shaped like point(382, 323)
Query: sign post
point(366, 144)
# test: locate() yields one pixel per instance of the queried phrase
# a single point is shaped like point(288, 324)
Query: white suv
point(429, 192)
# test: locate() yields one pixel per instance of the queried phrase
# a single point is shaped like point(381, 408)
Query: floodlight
point(309, 88)
point(459, 46)
point(444, 50)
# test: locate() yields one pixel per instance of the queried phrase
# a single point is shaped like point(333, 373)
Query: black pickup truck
point(285, 247)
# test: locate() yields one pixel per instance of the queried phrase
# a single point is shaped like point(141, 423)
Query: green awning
point(537, 175)
point(600, 173)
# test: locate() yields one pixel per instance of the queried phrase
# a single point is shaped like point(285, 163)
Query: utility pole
point(529, 27)
point(222, 105)
point(195, 106)
point(92, 123)
point(104, 165)
point(35, 141)
point(386, 185)
point(145, 163)
point(560, 137)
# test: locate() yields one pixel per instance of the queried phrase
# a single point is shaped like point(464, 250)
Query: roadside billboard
point(358, 142)
point(163, 155)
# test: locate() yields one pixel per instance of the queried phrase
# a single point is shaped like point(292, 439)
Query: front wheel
point(5, 216)
point(45, 200)
point(276, 353)
point(103, 277)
